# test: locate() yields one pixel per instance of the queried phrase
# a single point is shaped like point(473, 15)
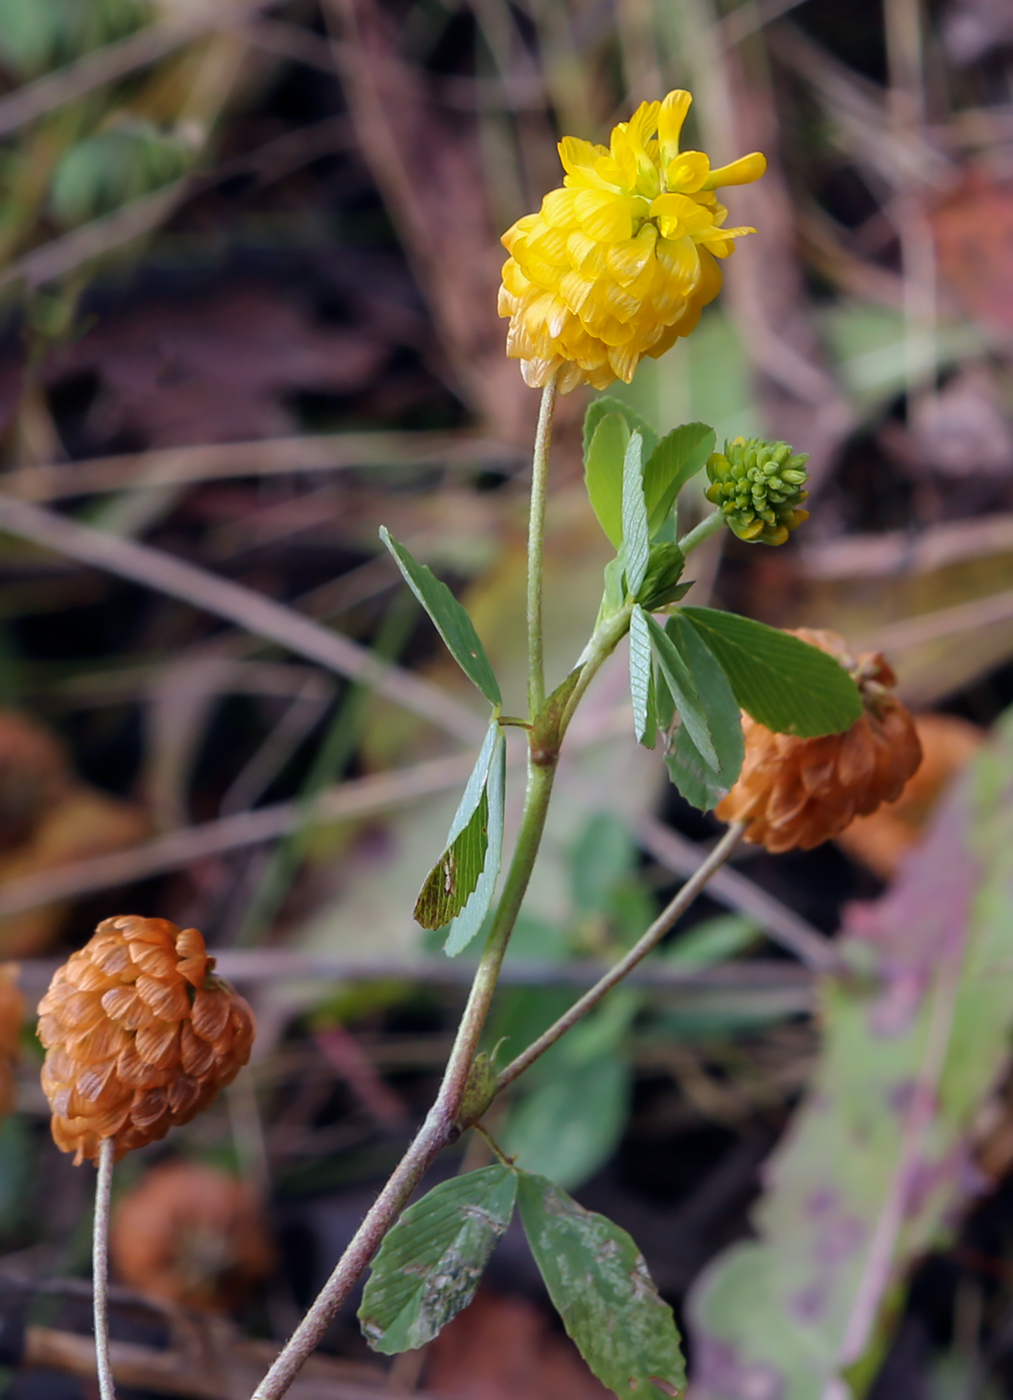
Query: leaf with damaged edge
point(599, 1284)
point(454, 877)
point(449, 617)
point(431, 1262)
point(472, 916)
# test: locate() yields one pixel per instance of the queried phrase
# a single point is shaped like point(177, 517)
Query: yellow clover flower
point(621, 260)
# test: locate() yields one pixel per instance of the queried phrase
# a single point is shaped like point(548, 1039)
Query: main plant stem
point(536, 549)
point(441, 1126)
point(100, 1268)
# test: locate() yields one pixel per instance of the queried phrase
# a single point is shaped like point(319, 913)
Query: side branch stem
point(708, 526)
point(100, 1267)
point(637, 953)
point(536, 549)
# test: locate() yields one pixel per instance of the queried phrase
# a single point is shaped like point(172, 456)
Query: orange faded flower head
point(139, 1034)
point(797, 793)
point(619, 262)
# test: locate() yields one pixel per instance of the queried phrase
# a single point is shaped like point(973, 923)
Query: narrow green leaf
point(603, 474)
point(783, 682)
point(678, 456)
point(599, 1284)
point(641, 669)
point(431, 1262)
point(636, 541)
point(683, 688)
point(702, 783)
point(472, 916)
point(597, 410)
point(449, 617)
point(453, 878)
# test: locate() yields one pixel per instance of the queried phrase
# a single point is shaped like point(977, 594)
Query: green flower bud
point(661, 582)
point(758, 487)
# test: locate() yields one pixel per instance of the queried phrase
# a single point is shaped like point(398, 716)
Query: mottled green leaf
point(876, 1168)
point(678, 456)
point(683, 689)
point(641, 673)
point(785, 683)
point(472, 916)
point(431, 1262)
point(636, 541)
point(449, 617)
point(702, 783)
point(599, 1284)
point(454, 877)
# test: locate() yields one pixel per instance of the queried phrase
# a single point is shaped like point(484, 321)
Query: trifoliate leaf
point(680, 682)
point(701, 783)
point(597, 410)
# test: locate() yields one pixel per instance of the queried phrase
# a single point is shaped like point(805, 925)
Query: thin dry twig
point(176, 466)
point(263, 616)
point(782, 924)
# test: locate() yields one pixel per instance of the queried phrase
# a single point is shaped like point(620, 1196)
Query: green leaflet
point(597, 409)
point(783, 682)
point(454, 877)
point(636, 541)
point(641, 678)
point(431, 1262)
point(603, 473)
point(702, 783)
point(471, 918)
point(678, 456)
point(682, 686)
point(449, 617)
point(599, 1284)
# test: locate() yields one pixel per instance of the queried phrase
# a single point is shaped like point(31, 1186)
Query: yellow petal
point(627, 260)
point(579, 156)
point(688, 173)
point(741, 172)
point(670, 121)
point(606, 217)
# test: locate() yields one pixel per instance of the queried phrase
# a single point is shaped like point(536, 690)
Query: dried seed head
point(191, 1234)
point(12, 1017)
point(139, 1035)
point(801, 792)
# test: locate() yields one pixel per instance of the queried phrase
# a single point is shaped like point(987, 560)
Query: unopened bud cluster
point(759, 486)
point(139, 1034)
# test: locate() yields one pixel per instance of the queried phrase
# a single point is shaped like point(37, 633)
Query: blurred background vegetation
point(248, 263)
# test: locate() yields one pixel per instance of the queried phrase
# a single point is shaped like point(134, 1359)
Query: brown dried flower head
point(801, 792)
point(12, 1018)
point(139, 1035)
point(191, 1234)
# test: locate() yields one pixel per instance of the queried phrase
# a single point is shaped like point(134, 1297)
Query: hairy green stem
point(536, 549)
point(708, 526)
point(100, 1268)
point(650, 939)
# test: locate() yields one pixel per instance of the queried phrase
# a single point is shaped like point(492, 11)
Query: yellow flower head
point(621, 260)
